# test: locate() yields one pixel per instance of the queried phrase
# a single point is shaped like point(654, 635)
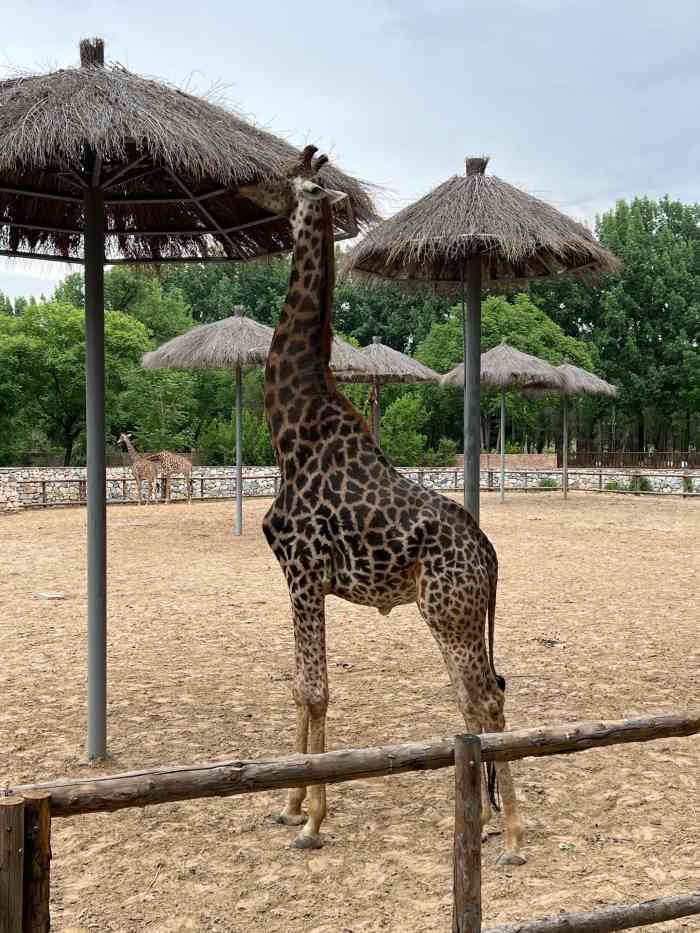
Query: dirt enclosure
point(598, 617)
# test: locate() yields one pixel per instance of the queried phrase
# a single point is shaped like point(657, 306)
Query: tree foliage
point(640, 330)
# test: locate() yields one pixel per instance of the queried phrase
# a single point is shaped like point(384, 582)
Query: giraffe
point(172, 464)
point(345, 522)
point(142, 468)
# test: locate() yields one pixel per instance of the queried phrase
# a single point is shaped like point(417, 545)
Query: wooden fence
point(26, 811)
point(41, 493)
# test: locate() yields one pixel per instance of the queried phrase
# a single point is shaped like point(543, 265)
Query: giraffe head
point(299, 188)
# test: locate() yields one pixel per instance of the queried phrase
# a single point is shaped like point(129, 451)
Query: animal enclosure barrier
point(26, 811)
point(47, 493)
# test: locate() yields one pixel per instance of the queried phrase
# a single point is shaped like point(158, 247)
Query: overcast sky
point(578, 103)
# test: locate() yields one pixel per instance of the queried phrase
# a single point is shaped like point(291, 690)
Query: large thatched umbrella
point(390, 366)
point(99, 165)
point(505, 368)
point(238, 342)
point(477, 231)
point(578, 381)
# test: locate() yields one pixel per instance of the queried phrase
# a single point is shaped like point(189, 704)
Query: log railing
point(28, 809)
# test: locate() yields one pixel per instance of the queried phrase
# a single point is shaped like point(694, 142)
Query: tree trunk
point(640, 432)
point(68, 442)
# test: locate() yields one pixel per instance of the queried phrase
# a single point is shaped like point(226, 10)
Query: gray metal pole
point(503, 445)
point(96, 473)
point(239, 452)
point(376, 405)
point(565, 448)
point(472, 384)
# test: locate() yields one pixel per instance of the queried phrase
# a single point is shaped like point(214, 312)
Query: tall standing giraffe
point(143, 469)
point(345, 522)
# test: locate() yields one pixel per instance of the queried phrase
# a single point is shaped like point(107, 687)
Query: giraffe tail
point(490, 767)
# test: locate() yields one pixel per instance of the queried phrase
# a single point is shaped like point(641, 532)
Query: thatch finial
point(476, 165)
point(92, 53)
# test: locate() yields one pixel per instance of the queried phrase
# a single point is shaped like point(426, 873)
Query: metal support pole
point(376, 406)
point(96, 473)
point(471, 318)
point(376, 413)
point(503, 445)
point(239, 452)
point(565, 448)
point(466, 913)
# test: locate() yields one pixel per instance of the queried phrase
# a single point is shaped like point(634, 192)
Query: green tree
point(522, 324)
point(5, 305)
point(648, 331)
point(48, 341)
point(401, 425)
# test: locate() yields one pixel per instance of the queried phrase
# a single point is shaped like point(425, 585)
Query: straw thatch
point(169, 164)
point(234, 341)
point(241, 341)
point(519, 237)
point(504, 367)
point(391, 366)
point(581, 382)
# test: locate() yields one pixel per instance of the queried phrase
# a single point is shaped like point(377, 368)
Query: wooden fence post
point(466, 914)
point(37, 858)
point(11, 863)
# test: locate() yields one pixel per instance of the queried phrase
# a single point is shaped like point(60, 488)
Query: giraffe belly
point(384, 594)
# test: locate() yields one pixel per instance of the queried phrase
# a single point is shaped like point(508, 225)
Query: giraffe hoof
point(511, 858)
point(310, 841)
point(290, 819)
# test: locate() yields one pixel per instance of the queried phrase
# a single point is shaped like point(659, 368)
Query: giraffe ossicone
point(345, 522)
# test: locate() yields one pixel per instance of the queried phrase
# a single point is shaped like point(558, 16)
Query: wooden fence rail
point(607, 919)
point(231, 778)
point(26, 811)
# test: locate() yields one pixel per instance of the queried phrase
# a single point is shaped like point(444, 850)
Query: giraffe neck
point(133, 456)
point(298, 363)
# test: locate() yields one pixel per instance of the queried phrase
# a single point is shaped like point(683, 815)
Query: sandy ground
point(598, 617)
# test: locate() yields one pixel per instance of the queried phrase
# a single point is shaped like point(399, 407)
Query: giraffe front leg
point(292, 814)
point(310, 694)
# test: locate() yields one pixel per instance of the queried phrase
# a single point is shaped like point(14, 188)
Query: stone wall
point(29, 487)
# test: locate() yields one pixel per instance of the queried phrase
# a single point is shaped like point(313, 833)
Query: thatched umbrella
point(236, 342)
point(99, 165)
point(390, 366)
point(505, 368)
point(578, 382)
point(477, 231)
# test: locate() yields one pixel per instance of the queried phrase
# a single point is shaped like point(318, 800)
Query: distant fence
point(44, 492)
point(27, 811)
point(619, 459)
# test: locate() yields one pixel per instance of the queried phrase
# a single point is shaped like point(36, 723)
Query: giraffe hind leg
point(455, 610)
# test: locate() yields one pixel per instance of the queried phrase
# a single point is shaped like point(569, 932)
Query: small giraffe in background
point(144, 470)
point(172, 464)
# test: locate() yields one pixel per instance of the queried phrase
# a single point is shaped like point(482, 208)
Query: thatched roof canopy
point(169, 165)
point(391, 366)
point(580, 382)
point(240, 341)
point(233, 341)
point(504, 367)
point(519, 237)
